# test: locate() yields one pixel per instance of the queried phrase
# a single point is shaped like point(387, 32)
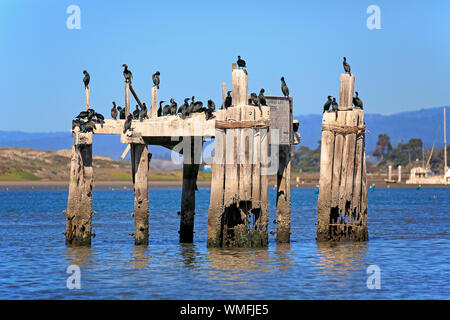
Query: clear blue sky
point(404, 66)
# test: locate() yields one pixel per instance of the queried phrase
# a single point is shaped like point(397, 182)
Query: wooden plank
point(243, 123)
point(239, 86)
point(154, 108)
point(245, 157)
point(347, 84)
point(356, 201)
point(216, 207)
point(131, 137)
point(326, 172)
point(125, 152)
point(140, 165)
point(231, 159)
point(79, 202)
point(348, 160)
point(337, 159)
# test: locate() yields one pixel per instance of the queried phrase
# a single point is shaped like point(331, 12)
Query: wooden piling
point(154, 108)
point(191, 163)
point(139, 167)
point(347, 84)
point(224, 94)
point(79, 204)
point(127, 99)
point(87, 98)
point(284, 195)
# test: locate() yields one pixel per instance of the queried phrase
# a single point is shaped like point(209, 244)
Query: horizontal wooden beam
point(242, 124)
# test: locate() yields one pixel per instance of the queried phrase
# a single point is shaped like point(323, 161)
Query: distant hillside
point(400, 127)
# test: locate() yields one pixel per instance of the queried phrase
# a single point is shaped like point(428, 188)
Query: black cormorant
point(143, 112)
point(335, 107)
point(357, 101)
point(127, 73)
point(284, 88)
point(326, 106)
point(210, 109)
point(184, 108)
point(114, 111)
point(100, 118)
point(173, 107)
point(155, 78)
point(86, 78)
point(166, 109)
point(228, 100)
point(127, 125)
point(241, 63)
point(254, 99)
point(136, 113)
point(346, 66)
point(160, 108)
point(262, 98)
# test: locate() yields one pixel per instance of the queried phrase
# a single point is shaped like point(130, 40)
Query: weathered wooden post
point(238, 191)
point(192, 150)
point(399, 168)
point(79, 204)
point(154, 109)
point(87, 98)
point(390, 173)
point(140, 159)
point(342, 202)
point(127, 99)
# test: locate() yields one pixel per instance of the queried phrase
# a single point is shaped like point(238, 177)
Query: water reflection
point(283, 256)
point(140, 257)
point(78, 255)
point(188, 253)
point(341, 257)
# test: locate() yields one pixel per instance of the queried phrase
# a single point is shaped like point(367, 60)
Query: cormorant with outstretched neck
point(86, 78)
point(335, 107)
point(228, 100)
point(114, 111)
point(127, 73)
point(173, 107)
point(210, 109)
point(262, 98)
point(136, 113)
point(241, 62)
point(346, 66)
point(127, 125)
point(197, 107)
point(143, 112)
point(284, 88)
point(160, 108)
point(326, 106)
point(357, 101)
point(155, 78)
point(86, 114)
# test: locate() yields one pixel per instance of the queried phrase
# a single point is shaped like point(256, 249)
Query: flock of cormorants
point(86, 120)
point(331, 102)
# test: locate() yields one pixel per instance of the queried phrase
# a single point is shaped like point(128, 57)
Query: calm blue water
point(408, 230)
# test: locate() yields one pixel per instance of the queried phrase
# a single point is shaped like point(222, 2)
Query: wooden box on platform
point(342, 202)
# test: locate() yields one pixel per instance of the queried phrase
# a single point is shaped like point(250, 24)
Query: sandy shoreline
point(109, 185)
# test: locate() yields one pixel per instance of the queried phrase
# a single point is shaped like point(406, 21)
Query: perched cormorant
point(197, 107)
point(228, 100)
point(262, 98)
point(121, 112)
point(184, 108)
point(357, 101)
point(86, 78)
point(143, 112)
point(334, 105)
point(155, 78)
point(210, 109)
point(254, 99)
point(284, 88)
point(160, 108)
point(100, 118)
point(127, 125)
point(166, 109)
point(89, 125)
point(241, 63)
point(346, 66)
point(173, 107)
point(136, 113)
point(326, 106)
point(114, 112)
point(127, 73)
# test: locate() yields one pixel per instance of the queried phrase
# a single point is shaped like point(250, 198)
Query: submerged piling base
point(139, 166)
